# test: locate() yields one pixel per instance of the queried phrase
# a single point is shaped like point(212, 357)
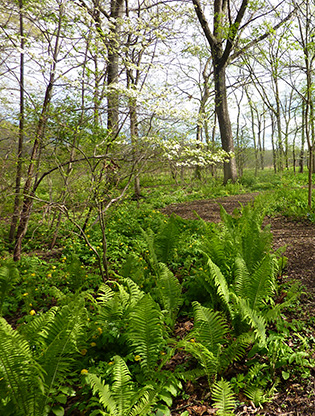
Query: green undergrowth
point(71, 342)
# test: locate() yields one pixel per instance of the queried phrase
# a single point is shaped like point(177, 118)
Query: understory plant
point(123, 397)
point(36, 357)
point(125, 340)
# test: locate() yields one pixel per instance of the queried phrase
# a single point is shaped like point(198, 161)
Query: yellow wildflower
point(84, 351)
point(100, 330)
point(32, 312)
point(25, 294)
point(137, 358)
point(93, 344)
point(84, 371)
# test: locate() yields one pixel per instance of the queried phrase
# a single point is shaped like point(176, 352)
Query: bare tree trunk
point(251, 106)
point(30, 184)
point(28, 194)
point(221, 106)
point(301, 160)
point(113, 66)
point(134, 138)
point(261, 139)
point(16, 208)
point(274, 152)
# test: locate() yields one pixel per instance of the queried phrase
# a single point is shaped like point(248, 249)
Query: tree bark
point(222, 111)
point(18, 178)
point(30, 184)
point(113, 67)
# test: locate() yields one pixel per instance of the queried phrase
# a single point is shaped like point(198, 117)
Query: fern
point(32, 330)
point(223, 397)
point(241, 276)
point(206, 358)
point(169, 291)
point(152, 259)
point(210, 327)
point(122, 398)
point(256, 395)
point(32, 361)
point(59, 343)
point(262, 284)
point(8, 276)
point(114, 305)
point(167, 239)
point(221, 285)
point(235, 351)
point(22, 376)
point(105, 396)
point(254, 319)
point(145, 333)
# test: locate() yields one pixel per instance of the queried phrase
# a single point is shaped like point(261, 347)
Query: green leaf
point(166, 397)
point(58, 410)
point(61, 398)
point(285, 375)
point(223, 398)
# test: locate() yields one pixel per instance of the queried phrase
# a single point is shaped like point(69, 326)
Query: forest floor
point(294, 397)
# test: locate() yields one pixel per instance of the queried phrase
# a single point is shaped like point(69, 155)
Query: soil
point(294, 397)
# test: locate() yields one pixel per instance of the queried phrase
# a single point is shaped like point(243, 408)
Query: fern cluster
point(36, 356)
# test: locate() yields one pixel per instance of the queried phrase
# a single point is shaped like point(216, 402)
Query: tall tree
point(224, 41)
point(19, 163)
point(33, 165)
point(306, 40)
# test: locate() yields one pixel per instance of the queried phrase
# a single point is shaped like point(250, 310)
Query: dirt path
point(297, 398)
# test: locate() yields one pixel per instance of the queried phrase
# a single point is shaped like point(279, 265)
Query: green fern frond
point(241, 276)
point(105, 396)
point(221, 284)
point(33, 328)
point(262, 283)
point(145, 333)
point(23, 376)
point(135, 293)
point(115, 306)
point(255, 370)
point(254, 319)
point(256, 395)
point(192, 375)
point(122, 386)
point(223, 397)
point(206, 358)
point(210, 327)
point(235, 351)
point(105, 294)
point(143, 404)
point(122, 398)
point(169, 291)
point(215, 246)
point(59, 342)
point(8, 276)
point(149, 238)
point(167, 239)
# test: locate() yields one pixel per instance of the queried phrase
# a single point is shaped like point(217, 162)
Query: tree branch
point(263, 36)
point(204, 24)
point(234, 28)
